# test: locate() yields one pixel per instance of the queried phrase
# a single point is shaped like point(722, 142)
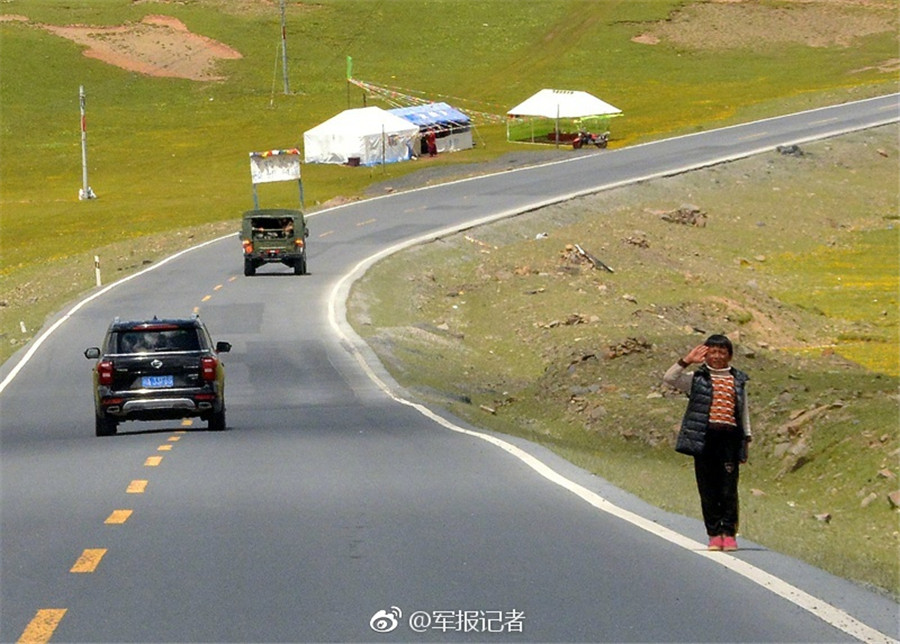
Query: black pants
point(717, 472)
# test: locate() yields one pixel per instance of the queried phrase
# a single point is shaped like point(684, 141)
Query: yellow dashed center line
point(40, 629)
point(89, 560)
point(137, 486)
point(118, 516)
point(43, 625)
point(367, 222)
point(753, 136)
point(326, 233)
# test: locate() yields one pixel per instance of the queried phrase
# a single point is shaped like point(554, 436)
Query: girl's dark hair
point(718, 340)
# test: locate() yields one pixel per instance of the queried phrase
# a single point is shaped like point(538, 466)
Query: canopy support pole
point(557, 126)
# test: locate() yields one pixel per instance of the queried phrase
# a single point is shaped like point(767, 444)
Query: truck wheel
point(249, 268)
point(300, 266)
point(216, 422)
point(105, 426)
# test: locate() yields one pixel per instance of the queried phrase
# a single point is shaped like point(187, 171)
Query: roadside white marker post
point(85, 192)
point(97, 268)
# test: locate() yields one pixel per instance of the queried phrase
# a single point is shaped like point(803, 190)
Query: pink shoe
point(715, 543)
point(729, 544)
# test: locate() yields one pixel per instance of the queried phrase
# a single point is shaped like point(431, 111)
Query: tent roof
point(431, 114)
point(553, 103)
point(364, 119)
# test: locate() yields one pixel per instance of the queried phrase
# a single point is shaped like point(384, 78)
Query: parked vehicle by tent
point(584, 138)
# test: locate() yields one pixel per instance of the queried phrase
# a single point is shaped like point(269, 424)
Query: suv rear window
point(150, 340)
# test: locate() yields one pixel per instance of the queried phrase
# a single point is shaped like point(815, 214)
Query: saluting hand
point(697, 355)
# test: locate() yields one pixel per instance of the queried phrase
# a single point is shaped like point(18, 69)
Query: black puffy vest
point(692, 437)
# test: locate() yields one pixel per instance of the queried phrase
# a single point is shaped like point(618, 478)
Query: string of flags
point(400, 97)
point(273, 153)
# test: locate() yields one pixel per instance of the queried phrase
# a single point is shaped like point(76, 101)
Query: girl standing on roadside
point(715, 430)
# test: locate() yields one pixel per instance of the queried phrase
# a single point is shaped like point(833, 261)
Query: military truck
point(274, 235)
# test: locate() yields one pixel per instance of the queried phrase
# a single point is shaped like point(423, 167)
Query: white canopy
point(565, 104)
point(369, 134)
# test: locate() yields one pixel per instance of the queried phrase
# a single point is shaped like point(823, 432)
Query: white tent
point(564, 104)
point(363, 136)
point(555, 114)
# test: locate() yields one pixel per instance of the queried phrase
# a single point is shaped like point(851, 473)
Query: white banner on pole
point(275, 165)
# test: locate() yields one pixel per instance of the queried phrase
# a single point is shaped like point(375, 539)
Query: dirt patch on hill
point(163, 46)
point(739, 23)
point(156, 46)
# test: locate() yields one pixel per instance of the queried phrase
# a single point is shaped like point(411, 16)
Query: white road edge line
point(831, 615)
point(93, 296)
point(337, 314)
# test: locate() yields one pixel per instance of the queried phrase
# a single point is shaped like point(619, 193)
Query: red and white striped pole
point(85, 192)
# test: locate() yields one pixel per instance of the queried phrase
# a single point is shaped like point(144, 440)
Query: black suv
point(158, 370)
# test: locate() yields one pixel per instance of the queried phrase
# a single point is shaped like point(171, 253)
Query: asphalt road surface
point(336, 509)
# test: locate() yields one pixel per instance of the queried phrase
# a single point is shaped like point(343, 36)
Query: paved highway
point(334, 508)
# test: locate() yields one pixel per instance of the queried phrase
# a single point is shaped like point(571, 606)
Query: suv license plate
point(157, 382)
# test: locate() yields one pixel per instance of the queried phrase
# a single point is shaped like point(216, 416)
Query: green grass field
point(169, 153)
point(168, 157)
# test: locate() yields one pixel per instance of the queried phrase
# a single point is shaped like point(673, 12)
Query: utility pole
point(284, 67)
point(85, 192)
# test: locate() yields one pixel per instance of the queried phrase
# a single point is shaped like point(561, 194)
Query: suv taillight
point(208, 366)
point(299, 243)
point(105, 372)
point(248, 246)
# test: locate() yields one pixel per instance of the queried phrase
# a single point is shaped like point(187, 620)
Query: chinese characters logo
point(450, 621)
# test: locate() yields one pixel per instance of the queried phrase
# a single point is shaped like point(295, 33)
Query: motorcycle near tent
point(551, 114)
point(361, 136)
